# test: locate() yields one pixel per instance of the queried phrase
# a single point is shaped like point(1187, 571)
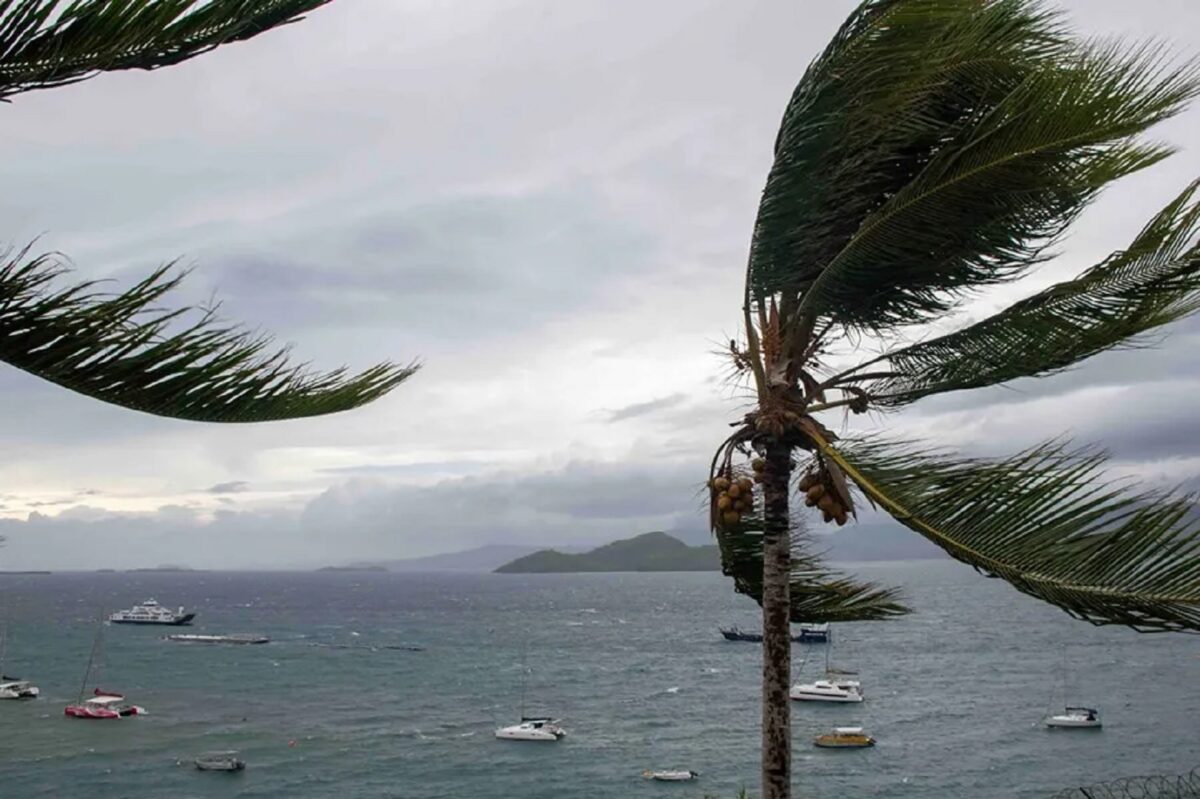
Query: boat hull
point(101, 713)
point(1072, 722)
point(26, 692)
point(220, 639)
point(832, 744)
point(670, 776)
point(183, 620)
point(805, 697)
point(756, 638)
point(547, 732)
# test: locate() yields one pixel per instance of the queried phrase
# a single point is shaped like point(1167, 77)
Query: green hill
point(651, 552)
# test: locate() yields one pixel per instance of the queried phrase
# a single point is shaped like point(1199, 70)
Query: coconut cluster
point(733, 497)
point(819, 492)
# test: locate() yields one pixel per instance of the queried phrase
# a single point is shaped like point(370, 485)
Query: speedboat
point(103, 706)
point(150, 612)
point(12, 688)
point(844, 738)
point(220, 761)
point(1079, 717)
point(827, 691)
point(532, 730)
point(670, 776)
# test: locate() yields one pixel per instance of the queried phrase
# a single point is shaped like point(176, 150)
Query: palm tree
point(935, 148)
point(123, 348)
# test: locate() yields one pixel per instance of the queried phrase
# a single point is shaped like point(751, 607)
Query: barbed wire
point(1162, 786)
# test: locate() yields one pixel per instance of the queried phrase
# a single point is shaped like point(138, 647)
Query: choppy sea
point(633, 664)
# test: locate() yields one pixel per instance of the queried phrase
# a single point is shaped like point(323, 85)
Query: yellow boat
point(844, 738)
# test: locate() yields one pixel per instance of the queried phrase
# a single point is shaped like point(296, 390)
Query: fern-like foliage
point(125, 350)
point(1047, 522)
point(818, 594)
point(938, 146)
point(47, 43)
point(122, 348)
point(1152, 283)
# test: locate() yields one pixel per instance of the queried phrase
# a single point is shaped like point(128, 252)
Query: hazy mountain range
point(867, 540)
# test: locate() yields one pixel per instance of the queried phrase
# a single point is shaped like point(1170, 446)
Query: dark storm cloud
point(644, 408)
point(457, 268)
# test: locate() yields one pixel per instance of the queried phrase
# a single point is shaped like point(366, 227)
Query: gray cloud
point(231, 487)
point(644, 408)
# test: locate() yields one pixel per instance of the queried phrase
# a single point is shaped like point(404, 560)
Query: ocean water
point(632, 663)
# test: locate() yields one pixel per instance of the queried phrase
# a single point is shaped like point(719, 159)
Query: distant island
point(650, 552)
point(364, 568)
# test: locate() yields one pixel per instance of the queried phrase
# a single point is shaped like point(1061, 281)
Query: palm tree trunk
point(777, 642)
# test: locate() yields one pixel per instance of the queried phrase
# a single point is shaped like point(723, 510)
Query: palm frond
point(120, 348)
point(1152, 283)
point(1046, 522)
point(46, 43)
point(817, 593)
point(941, 145)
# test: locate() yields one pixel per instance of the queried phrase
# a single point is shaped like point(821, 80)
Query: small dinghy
point(220, 761)
point(1077, 717)
point(844, 738)
point(670, 776)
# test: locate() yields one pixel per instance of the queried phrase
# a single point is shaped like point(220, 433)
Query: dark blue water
point(633, 664)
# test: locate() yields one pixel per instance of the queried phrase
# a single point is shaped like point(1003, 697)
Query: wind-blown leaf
point(121, 349)
point(1045, 522)
point(817, 593)
point(940, 145)
point(46, 43)
point(1154, 282)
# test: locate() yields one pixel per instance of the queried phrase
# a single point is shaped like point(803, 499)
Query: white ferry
point(150, 612)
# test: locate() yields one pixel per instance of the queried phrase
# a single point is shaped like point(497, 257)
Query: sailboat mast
point(3, 630)
point(524, 674)
point(87, 673)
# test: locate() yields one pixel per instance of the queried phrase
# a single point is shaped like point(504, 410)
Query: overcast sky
point(549, 204)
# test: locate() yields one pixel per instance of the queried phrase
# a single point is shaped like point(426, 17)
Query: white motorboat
point(532, 730)
point(827, 691)
point(12, 688)
point(670, 776)
point(220, 761)
point(150, 612)
point(1077, 717)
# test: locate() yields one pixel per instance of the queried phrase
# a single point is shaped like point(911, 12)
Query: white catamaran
point(530, 728)
point(836, 687)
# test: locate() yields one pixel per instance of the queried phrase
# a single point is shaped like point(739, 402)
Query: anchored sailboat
point(531, 728)
point(836, 687)
point(1072, 716)
point(102, 704)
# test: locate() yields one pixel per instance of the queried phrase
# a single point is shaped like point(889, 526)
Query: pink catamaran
point(101, 704)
